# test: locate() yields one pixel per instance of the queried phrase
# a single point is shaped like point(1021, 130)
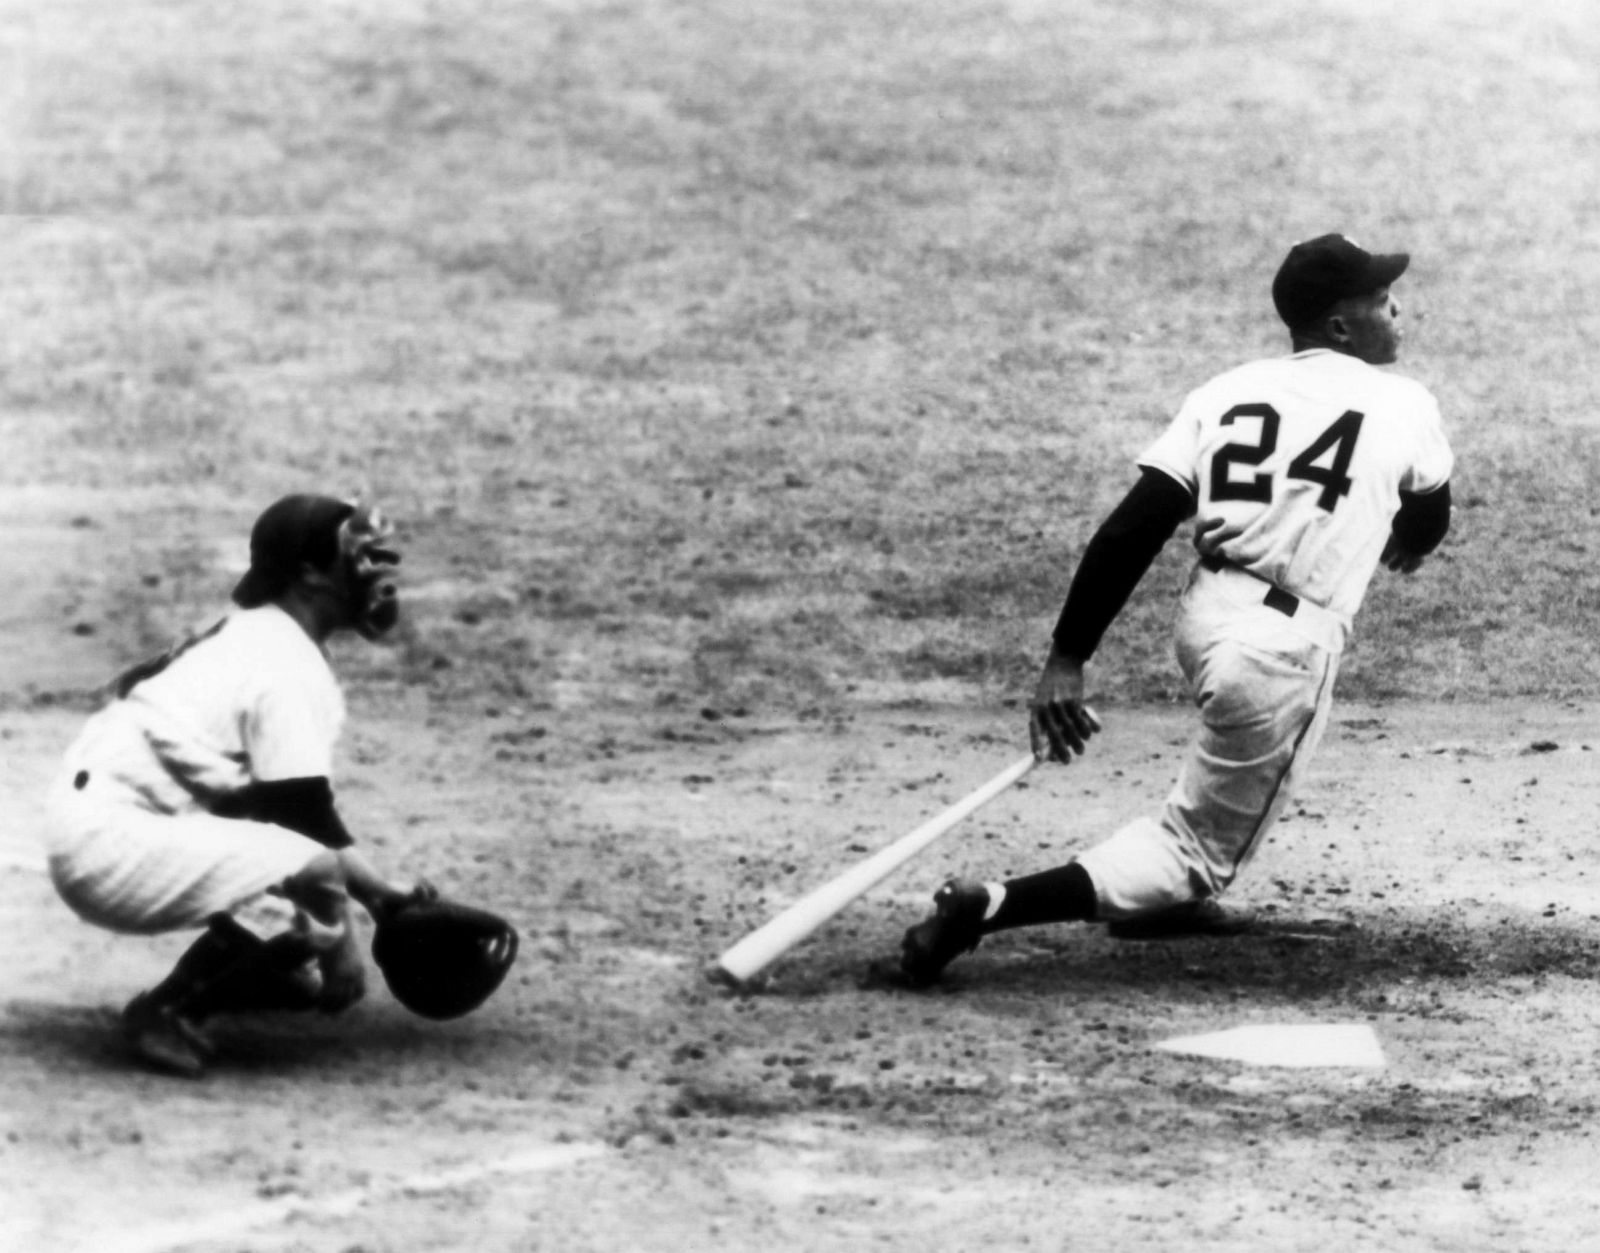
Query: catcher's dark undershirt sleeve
point(1116, 559)
point(1423, 520)
point(303, 805)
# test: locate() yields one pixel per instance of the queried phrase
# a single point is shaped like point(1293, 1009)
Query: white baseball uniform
point(133, 845)
point(1296, 465)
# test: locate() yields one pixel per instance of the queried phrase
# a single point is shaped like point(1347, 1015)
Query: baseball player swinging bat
point(767, 943)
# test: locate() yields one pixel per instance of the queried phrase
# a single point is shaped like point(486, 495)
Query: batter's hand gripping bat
point(767, 943)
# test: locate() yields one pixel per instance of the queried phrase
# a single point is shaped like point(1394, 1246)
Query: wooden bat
point(767, 943)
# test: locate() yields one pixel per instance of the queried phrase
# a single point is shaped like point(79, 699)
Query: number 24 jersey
point(1297, 464)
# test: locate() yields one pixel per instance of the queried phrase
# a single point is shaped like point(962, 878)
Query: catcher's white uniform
point(1296, 465)
point(133, 845)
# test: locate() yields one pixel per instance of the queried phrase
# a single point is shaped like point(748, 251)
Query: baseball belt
point(1326, 627)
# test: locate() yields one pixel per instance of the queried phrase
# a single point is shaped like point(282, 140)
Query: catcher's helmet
point(442, 959)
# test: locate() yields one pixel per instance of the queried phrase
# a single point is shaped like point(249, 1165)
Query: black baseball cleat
point(163, 1041)
point(1203, 917)
point(199, 1039)
point(955, 928)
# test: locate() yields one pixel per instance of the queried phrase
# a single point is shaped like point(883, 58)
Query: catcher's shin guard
point(219, 946)
point(237, 973)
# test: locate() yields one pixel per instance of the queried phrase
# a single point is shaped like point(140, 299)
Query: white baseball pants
point(1263, 682)
point(128, 869)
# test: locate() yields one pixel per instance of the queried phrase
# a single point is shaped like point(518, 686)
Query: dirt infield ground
point(745, 377)
point(1433, 882)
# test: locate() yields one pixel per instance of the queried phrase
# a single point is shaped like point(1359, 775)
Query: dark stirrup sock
point(231, 970)
point(268, 979)
point(217, 948)
point(1064, 894)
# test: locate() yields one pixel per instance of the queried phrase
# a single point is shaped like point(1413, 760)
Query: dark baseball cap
point(1319, 272)
point(289, 532)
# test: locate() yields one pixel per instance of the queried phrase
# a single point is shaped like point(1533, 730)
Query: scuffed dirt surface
point(1434, 881)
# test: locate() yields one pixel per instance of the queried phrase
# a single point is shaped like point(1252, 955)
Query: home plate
point(1287, 1044)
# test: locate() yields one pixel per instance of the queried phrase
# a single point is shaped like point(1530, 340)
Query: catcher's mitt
point(442, 959)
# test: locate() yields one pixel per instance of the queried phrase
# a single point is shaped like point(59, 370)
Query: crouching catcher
point(199, 797)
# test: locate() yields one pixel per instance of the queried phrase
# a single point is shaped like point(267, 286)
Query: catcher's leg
point(230, 969)
point(322, 892)
point(227, 968)
point(258, 975)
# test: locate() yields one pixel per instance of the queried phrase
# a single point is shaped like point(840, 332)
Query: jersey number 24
point(1339, 440)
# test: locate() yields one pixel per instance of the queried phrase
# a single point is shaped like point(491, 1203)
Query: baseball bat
point(767, 943)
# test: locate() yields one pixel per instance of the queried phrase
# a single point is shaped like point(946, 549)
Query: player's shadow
point(87, 1040)
point(1284, 956)
point(54, 1037)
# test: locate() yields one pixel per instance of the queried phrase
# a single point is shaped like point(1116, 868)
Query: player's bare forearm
point(344, 975)
point(376, 894)
point(365, 883)
point(1059, 722)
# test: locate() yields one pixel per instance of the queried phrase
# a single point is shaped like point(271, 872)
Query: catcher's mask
point(350, 541)
point(368, 555)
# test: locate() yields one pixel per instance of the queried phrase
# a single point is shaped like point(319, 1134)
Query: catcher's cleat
point(162, 1040)
point(955, 928)
point(199, 1040)
point(1203, 917)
